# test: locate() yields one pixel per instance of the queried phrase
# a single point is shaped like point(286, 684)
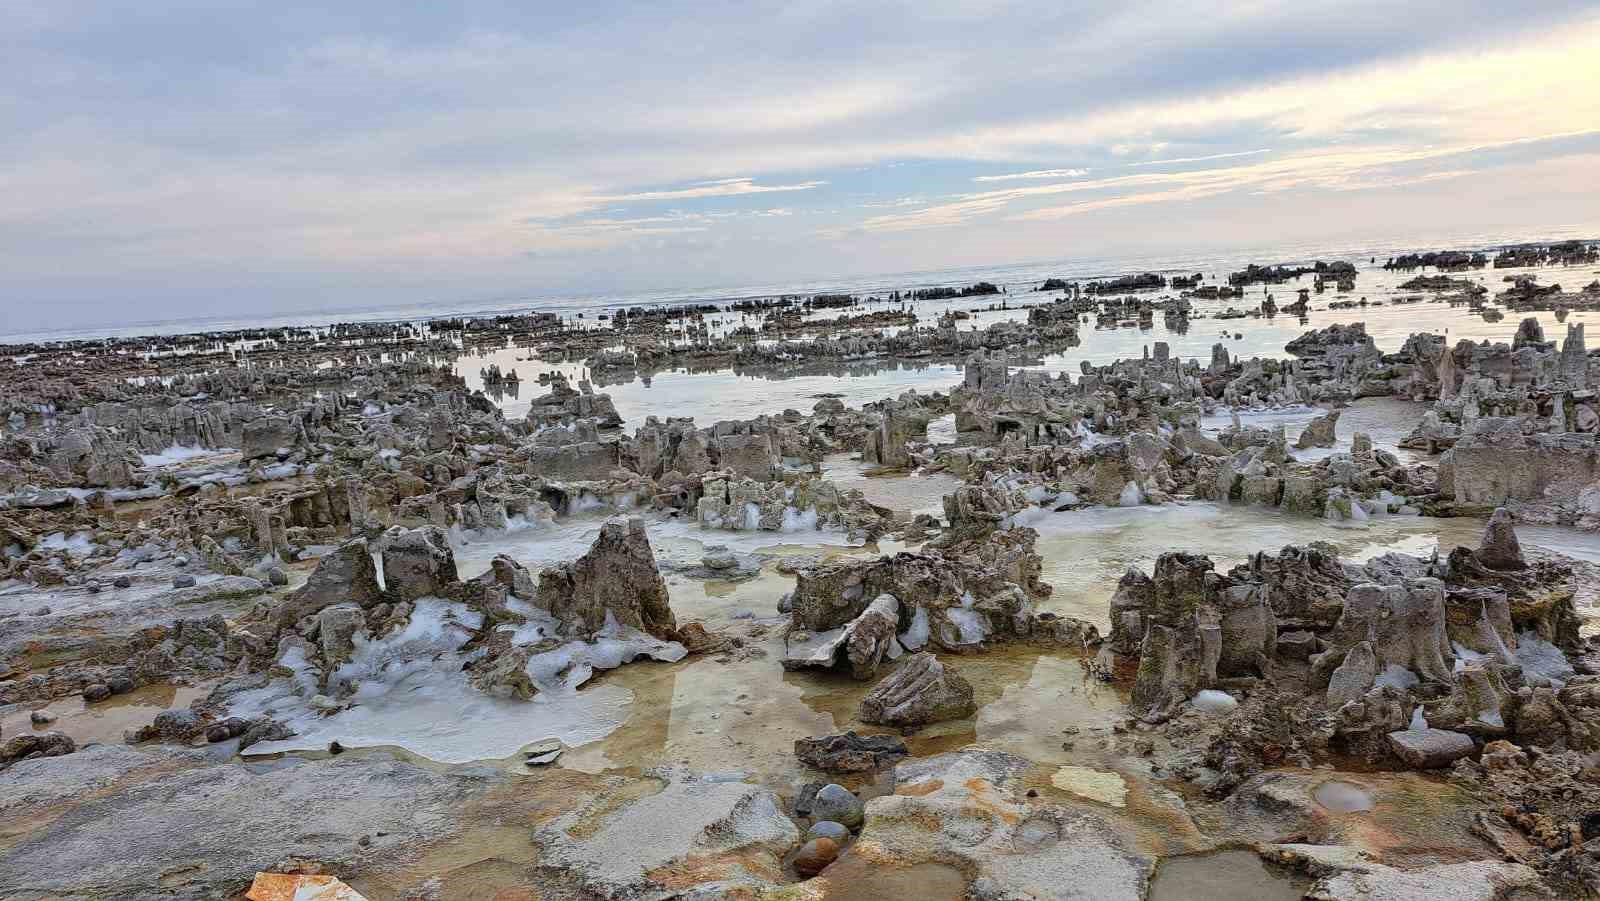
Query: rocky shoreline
point(305, 601)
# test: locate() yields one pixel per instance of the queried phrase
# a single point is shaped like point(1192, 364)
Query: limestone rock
point(616, 579)
point(1426, 749)
point(872, 636)
point(417, 562)
point(264, 437)
point(850, 753)
point(1354, 676)
point(34, 745)
point(627, 841)
point(337, 627)
point(921, 690)
point(346, 575)
point(1499, 548)
point(1319, 432)
point(970, 810)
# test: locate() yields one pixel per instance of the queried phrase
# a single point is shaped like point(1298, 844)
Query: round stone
point(815, 856)
point(835, 802)
point(828, 829)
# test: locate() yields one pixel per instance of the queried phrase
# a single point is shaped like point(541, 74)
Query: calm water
point(1015, 276)
point(727, 394)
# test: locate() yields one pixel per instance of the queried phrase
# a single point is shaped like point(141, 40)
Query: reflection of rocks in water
point(501, 391)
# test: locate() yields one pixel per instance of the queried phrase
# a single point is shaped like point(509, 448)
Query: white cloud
point(731, 187)
point(1203, 159)
point(1036, 173)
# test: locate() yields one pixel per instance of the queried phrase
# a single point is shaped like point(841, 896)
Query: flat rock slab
point(1427, 749)
point(708, 830)
point(206, 832)
point(970, 810)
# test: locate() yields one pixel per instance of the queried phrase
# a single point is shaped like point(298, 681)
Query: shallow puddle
point(1342, 797)
point(104, 721)
point(1223, 876)
point(906, 493)
point(854, 879)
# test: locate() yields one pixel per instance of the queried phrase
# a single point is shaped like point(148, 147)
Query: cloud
point(1332, 170)
point(1203, 159)
point(176, 153)
point(730, 187)
point(1037, 173)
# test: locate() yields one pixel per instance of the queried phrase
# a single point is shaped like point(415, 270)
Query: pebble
point(830, 830)
point(815, 856)
point(96, 692)
point(122, 582)
point(120, 685)
point(835, 802)
point(183, 580)
point(41, 717)
point(277, 576)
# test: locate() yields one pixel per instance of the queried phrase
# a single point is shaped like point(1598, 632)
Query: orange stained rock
point(919, 789)
point(985, 800)
point(297, 887)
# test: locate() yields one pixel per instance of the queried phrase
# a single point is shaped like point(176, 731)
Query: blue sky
point(188, 158)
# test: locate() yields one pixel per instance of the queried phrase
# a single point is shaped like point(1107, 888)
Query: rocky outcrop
point(615, 580)
point(920, 691)
point(1319, 432)
point(1499, 548)
point(1193, 625)
point(417, 562)
point(953, 598)
point(265, 437)
point(345, 575)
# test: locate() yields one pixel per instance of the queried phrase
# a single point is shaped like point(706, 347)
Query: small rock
point(1297, 645)
point(119, 685)
point(277, 576)
point(41, 717)
point(920, 691)
point(36, 744)
point(837, 803)
point(181, 562)
point(830, 830)
point(1426, 749)
point(183, 580)
point(544, 753)
point(122, 582)
point(850, 753)
point(97, 692)
point(815, 856)
point(1499, 548)
point(42, 611)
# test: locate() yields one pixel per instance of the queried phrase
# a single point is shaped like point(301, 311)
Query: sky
point(182, 158)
